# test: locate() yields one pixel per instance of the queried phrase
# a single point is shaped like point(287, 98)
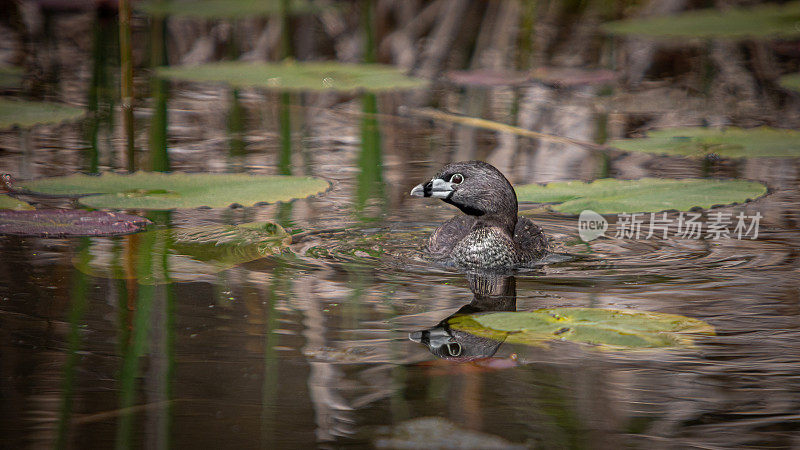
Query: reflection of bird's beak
point(435, 188)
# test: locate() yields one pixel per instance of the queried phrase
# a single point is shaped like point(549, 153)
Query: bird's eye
point(457, 178)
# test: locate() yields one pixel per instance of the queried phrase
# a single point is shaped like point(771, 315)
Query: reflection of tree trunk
point(440, 43)
point(639, 52)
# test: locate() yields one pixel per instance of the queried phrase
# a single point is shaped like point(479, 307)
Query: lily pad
point(298, 76)
point(194, 252)
point(763, 21)
point(607, 327)
point(225, 9)
point(572, 77)
point(487, 78)
point(8, 202)
point(56, 223)
point(163, 191)
point(728, 142)
point(25, 114)
point(791, 82)
point(611, 196)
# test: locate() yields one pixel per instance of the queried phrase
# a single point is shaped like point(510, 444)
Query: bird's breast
point(485, 248)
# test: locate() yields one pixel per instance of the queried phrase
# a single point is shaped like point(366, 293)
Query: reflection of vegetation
point(623, 329)
point(201, 250)
point(148, 264)
point(25, 114)
point(161, 191)
point(236, 125)
point(159, 157)
point(370, 161)
point(78, 301)
point(763, 21)
point(609, 196)
point(298, 76)
point(727, 142)
point(102, 90)
point(222, 9)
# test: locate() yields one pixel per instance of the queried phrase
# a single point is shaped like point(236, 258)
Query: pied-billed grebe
point(491, 236)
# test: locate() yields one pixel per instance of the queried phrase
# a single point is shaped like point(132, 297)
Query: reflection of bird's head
point(475, 187)
point(491, 293)
point(455, 345)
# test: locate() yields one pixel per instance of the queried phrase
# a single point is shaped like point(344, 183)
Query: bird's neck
point(503, 221)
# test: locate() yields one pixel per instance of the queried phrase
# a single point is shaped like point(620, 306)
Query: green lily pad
point(729, 142)
point(225, 9)
point(11, 77)
point(791, 82)
point(298, 76)
point(763, 21)
point(8, 202)
point(607, 327)
point(194, 252)
point(163, 191)
point(25, 114)
point(612, 196)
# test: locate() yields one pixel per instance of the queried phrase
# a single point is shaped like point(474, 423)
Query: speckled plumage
point(491, 236)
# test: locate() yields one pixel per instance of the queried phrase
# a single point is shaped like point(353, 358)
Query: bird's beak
point(435, 188)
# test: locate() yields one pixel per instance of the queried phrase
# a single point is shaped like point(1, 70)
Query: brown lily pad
point(572, 77)
point(487, 78)
point(57, 223)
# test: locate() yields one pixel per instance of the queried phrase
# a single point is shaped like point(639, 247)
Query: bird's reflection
point(490, 293)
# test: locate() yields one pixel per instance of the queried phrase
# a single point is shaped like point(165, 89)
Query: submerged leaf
point(25, 114)
point(763, 21)
point(298, 76)
point(56, 223)
point(8, 202)
point(728, 142)
point(162, 191)
point(611, 196)
point(225, 9)
point(11, 77)
point(607, 327)
point(791, 82)
point(194, 252)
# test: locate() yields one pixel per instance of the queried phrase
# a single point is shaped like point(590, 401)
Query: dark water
point(311, 347)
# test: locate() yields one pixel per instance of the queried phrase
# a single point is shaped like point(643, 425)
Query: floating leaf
point(56, 223)
point(225, 9)
point(8, 202)
point(614, 328)
point(763, 21)
point(298, 76)
point(11, 77)
point(791, 82)
point(194, 252)
point(728, 142)
point(162, 191)
point(611, 196)
point(25, 114)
